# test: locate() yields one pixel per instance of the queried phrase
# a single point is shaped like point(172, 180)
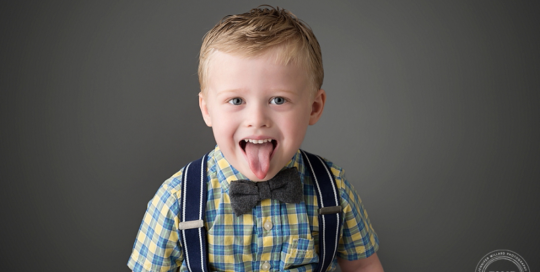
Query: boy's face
point(258, 100)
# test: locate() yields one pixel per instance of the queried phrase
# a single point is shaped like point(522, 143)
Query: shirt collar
point(227, 173)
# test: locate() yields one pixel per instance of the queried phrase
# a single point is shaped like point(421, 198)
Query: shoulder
point(347, 192)
point(336, 171)
point(172, 187)
point(173, 184)
point(165, 200)
point(346, 189)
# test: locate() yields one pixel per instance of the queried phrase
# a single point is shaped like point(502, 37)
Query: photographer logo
point(502, 260)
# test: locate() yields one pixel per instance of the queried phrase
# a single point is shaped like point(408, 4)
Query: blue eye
point(236, 101)
point(277, 100)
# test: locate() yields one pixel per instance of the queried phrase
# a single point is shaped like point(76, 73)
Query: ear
point(317, 107)
point(204, 110)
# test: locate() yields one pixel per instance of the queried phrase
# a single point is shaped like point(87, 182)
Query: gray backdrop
point(432, 110)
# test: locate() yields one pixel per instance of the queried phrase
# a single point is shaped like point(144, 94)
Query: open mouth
point(244, 142)
point(258, 154)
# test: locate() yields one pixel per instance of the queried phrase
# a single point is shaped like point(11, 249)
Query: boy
point(260, 74)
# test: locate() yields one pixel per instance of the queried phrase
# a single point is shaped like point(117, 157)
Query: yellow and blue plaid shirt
point(284, 235)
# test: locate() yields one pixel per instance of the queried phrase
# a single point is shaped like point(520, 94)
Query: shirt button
point(268, 225)
point(265, 266)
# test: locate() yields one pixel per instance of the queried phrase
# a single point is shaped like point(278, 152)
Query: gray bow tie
point(285, 187)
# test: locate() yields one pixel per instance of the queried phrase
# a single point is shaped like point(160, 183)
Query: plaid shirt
point(284, 235)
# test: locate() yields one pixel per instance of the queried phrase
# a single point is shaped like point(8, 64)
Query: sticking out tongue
point(259, 158)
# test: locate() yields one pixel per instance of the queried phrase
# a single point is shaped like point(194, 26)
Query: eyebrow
point(272, 90)
point(229, 91)
point(286, 91)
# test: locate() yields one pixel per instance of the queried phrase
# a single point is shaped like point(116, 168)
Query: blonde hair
point(253, 33)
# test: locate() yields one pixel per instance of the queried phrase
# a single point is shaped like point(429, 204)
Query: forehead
point(266, 71)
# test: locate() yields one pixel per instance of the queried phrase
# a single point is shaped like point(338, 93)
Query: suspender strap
point(329, 209)
point(192, 214)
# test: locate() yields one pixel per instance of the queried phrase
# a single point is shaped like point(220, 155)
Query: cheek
point(295, 127)
point(224, 127)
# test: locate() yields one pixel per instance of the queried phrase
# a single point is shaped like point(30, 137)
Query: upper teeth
point(258, 141)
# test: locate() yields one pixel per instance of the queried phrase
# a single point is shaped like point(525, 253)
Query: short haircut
point(253, 33)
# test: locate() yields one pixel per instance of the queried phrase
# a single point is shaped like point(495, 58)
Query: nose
point(257, 116)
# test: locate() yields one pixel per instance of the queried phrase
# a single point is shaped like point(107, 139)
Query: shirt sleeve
point(359, 239)
point(157, 247)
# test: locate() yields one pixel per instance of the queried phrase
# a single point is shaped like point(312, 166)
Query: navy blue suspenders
point(329, 208)
point(192, 212)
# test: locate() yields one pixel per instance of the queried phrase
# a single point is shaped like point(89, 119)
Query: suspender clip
point(191, 224)
point(330, 210)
